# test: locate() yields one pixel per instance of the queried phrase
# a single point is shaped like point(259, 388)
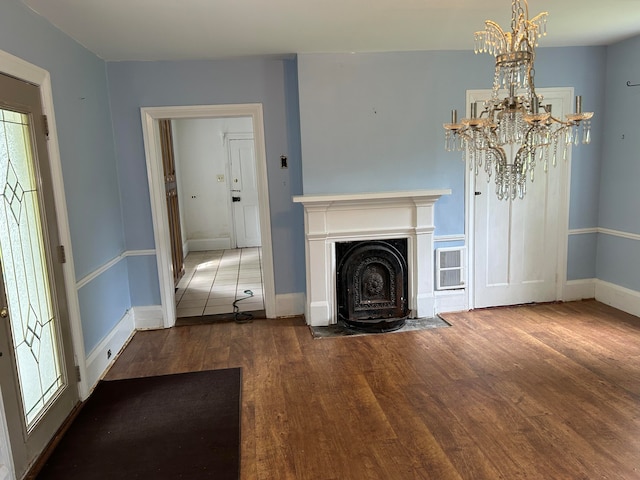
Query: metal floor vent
point(450, 268)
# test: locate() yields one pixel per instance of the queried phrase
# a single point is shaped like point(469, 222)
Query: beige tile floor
point(213, 280)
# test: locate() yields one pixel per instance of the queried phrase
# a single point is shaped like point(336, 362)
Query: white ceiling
point(209, 29)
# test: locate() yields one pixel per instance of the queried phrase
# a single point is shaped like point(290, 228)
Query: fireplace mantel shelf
point(356, 197)
point(332, 218)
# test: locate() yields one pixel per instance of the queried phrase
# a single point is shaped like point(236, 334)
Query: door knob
point(4, 313)
point(235, 199)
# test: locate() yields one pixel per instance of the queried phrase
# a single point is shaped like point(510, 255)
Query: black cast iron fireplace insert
point(372, 284)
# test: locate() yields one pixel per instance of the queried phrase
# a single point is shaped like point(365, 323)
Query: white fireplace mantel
point(367, 216)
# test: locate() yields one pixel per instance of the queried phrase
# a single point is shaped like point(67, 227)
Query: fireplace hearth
point(332, 219)
point(372, 284)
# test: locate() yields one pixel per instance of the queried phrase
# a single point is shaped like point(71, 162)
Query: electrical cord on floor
point(242, 317)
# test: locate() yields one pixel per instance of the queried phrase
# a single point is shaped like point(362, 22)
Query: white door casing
point(19, 68)
point(518, 248)
point(150, 117)
point(41, 336)
point(244, 186)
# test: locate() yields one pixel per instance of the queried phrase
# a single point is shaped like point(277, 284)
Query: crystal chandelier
point(513, 133)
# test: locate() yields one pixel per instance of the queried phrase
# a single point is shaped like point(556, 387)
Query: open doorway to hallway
point(215, 174)
point(150, 118)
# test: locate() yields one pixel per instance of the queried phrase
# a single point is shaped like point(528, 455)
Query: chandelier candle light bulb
point(518, 120)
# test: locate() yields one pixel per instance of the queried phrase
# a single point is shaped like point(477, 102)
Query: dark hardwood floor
point(535, 392)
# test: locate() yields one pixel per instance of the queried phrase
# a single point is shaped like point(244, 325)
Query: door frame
point(150, 117)
point(23, 70)
point(562, 168)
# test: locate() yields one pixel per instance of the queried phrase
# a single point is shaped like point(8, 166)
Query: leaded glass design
point(24, 269)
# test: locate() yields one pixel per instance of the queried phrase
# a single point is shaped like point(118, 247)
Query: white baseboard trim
point(579, 289)
point(451, 301)
point(148, 318)
point(290, 304)
point(97, 362)
point(618, 297)
point(208, 244)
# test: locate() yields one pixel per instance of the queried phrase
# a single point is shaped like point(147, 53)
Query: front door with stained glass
point(36, 366)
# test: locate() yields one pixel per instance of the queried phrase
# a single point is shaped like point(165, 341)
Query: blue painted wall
point(370, 122)
point(618, 259)
point(584, 69)
point(83, 121)
point(581, 261)
point(373, 122)
point(100, 303)
point(269, 81)
point(143, 279)
point(291, 226)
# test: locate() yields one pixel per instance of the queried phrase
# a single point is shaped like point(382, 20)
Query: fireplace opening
point(371, 284)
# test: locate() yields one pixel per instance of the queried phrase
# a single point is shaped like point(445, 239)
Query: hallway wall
point(201, 156)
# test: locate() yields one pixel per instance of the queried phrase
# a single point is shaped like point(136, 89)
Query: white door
point(244, 193)
point(37, 374)
point(516, 242)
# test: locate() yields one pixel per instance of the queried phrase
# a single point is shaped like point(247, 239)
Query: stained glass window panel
point(25, 272)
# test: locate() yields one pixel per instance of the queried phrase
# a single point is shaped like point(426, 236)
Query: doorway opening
point(150, 119)
point(219, 218)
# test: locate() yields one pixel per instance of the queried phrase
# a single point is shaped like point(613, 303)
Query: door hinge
point(62, 256)
point(78, 377)
point(45, 125)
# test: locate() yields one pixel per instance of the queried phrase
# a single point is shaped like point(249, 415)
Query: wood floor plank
point(533, 392)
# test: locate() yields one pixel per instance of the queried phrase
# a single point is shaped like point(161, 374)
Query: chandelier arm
point(529, 141)
point(563, 123)
point(535, 19)
point(494, 146)
point(463, 133)
point(560, 122)
point(501, 154)
point(491, 26)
